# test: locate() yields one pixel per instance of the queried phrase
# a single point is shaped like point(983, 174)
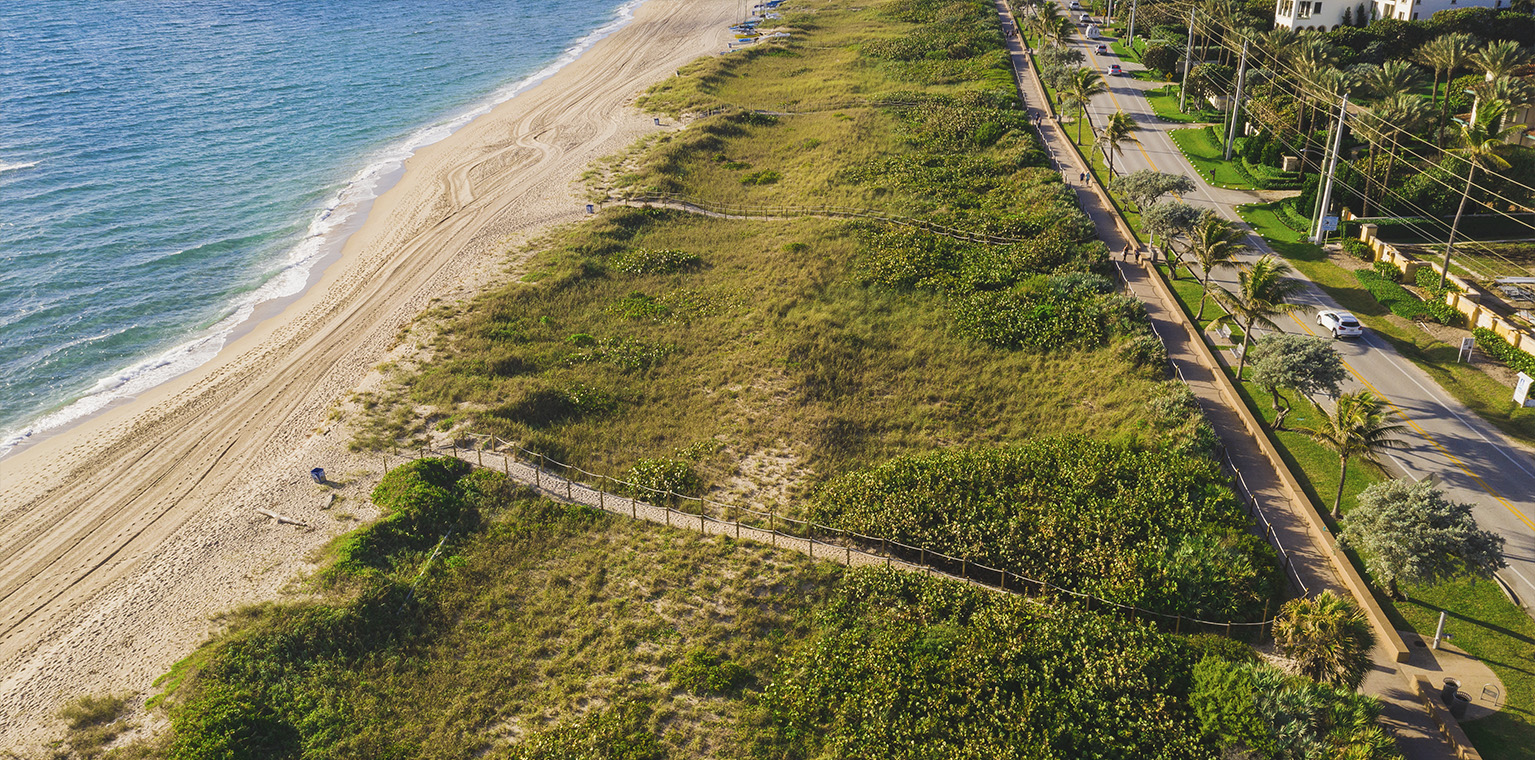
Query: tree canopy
point(1299, 363)
point(1410, 533)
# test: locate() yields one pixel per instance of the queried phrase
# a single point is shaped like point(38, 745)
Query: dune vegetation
point(1002, 400)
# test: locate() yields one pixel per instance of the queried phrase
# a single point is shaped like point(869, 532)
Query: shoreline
point(133, 529)
point(351, 204)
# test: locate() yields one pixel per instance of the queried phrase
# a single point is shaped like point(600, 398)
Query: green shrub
point(701, 672)
point(1391, 295)
point(1162, 59)
point(1139, 527)
point(1428, 279)
point(764, 177)
point(1517, 359)
point(650, 261)
point(675, 476)
point(1358, 249)
point(1255, 710)
point(1388, 270)
point(1443, 313)
point(422, 501)
point(899, 666)
point(619, 732)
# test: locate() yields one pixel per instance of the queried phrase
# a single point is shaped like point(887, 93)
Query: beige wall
point(1466, 302)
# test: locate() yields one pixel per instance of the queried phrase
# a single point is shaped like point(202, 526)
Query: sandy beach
point(126, 536)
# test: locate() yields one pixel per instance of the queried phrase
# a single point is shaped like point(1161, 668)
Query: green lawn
point(1126, 52)
point(1164, 103)
point(1206, 153)
point(1484, 623)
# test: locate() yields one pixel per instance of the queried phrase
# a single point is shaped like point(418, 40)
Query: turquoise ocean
point(165, 166)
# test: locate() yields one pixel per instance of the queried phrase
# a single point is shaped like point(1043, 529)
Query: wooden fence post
point(538, 469)
point(668, 515)
point(568, 496)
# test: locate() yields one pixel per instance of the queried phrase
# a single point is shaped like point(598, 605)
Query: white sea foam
point(289, 277)
point(10, 167)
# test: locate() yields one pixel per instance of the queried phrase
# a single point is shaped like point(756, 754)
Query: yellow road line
point(1485, 486)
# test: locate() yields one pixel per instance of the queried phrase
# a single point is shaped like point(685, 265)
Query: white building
point(1323, 15)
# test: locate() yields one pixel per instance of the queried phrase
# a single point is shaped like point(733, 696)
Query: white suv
point(1340, 323)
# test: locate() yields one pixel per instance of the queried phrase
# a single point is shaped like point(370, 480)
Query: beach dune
point(122, 538)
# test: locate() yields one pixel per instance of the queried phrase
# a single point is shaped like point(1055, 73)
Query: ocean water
point(165, 165)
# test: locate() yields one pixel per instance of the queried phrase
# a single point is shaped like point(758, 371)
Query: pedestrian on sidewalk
point(1082, 177)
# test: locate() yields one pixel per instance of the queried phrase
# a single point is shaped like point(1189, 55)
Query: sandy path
point(121, 538)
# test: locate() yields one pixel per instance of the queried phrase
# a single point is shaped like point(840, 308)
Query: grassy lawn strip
point(1164, 103)
point(1470, 386)
point(1206, 153)
point(1485, 624)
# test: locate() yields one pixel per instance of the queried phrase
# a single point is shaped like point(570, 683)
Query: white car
point(1340, 323)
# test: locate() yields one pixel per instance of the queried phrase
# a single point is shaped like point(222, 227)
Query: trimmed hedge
point(1443, 313)
point(1398, 299)
point(1518, 360)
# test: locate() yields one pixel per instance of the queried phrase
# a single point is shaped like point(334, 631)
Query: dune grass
point(781, 339)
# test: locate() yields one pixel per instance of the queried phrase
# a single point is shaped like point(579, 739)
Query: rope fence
point(690, 203)
point(709, 517)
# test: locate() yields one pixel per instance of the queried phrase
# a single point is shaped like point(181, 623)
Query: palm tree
point(1393, 77)
point(1328, 636)
point(1483, 139)
point(1115, 131)
point(1080, 88)
point(1446, 54)
point(1046, 18)
point(1262, 294)
point(1374, 126)
point(1311, 56)
point(1500, 59)
point(1277, 43)
point(1356, 427)
point(1409, 113)
point(1214, 243)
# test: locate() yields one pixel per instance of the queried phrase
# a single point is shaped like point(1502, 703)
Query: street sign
point(1466, 344)
point(1329, 224)
point(1522, 390)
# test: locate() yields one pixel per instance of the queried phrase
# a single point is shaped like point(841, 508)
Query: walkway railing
point(577, 485)
point(787, 211)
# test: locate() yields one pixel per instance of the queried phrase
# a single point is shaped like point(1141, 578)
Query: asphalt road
point(1472, 460)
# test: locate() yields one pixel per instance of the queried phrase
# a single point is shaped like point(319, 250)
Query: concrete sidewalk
point(1416, 734)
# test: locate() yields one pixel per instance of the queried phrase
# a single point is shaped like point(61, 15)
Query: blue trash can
point(318, 474)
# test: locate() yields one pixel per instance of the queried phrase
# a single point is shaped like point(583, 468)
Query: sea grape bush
point(1441, 310)
point(1143, 527)
point(652, 261)
point(948, 30)
point(703, 672)
point(422, 501)
point(1500, 349)
point(899, 666)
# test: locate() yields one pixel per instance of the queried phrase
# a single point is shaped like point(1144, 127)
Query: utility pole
point(1188, 60)
point(1236, 105)
point(1131, 35)
point(1332, 166)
